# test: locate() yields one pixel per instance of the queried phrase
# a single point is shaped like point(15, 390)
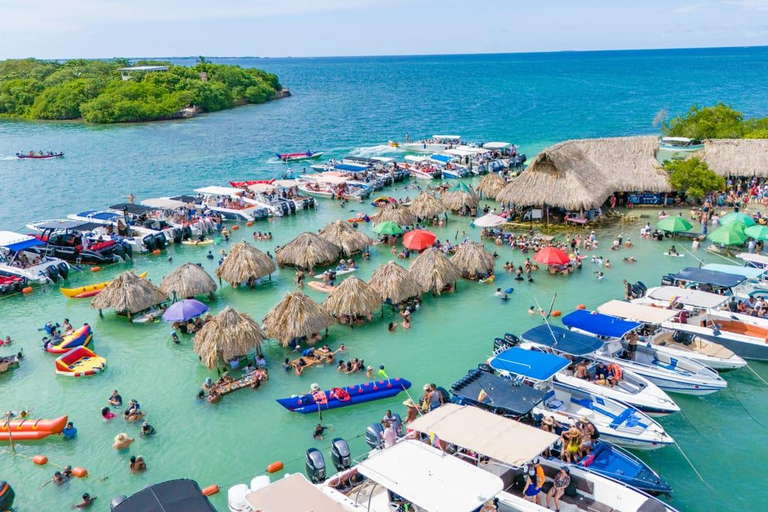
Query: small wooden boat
point(342, 397)
point(80, 362)
point(33, 156)
point(30, 430)
point(321, 287)
point(90, 290)
point(293, 157)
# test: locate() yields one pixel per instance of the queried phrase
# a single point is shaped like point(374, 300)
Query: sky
point(299, 28)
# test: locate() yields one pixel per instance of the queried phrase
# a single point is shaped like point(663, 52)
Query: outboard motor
point(668, 280)
point(236, 501)
point(63, 270)
point(374, 435)
point(160, 241)
point(127, 249)
point(340, 454)
point(638, 289)
point(187, 232)
point(118, 252)
point(485, 367)
point(53, 273)
point(117, 500)
point(178, 234)
point(315, 466)
point(7, 495)
point(149, 242)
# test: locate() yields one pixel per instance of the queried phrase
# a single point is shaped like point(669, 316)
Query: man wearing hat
point(412, 410)
point(122, 441)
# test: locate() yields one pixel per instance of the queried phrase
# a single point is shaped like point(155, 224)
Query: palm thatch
point(629, 162)
point(244, 263)
point(458, 199)
point(737, 157)
point(473, 260)
point(128, 293)
point(307, 250)
point(353, 298)
point(296, 316)
point(394, 284)
point(396, 213)
point(227, 335)
point(343, 235)
point(427, 206)
point(189, 280)
point(434, 271)
point(491, 185)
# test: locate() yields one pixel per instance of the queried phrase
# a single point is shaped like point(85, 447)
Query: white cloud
point(750, 5)
point(688, 9)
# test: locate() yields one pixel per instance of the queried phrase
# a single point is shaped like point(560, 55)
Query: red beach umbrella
point(551, 256)
point(419, 239)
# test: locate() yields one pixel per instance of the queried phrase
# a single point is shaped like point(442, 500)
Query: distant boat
point(680, 144)
point(292, 157)
point(39, 156)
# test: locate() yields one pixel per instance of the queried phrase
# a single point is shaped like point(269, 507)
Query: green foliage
point(694, 177)
point(93, 89)
point(718, 122)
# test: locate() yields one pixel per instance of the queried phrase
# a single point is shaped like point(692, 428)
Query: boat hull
point(359, 394)
point(747, 347)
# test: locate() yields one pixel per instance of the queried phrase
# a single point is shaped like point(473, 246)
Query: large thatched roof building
point(736, 157)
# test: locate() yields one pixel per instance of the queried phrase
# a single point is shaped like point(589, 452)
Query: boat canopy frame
point(562, 340)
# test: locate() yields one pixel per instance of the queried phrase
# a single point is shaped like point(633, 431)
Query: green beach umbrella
point(757, 232)
point(461, 187)
point(674, 224)
point(728, 235)
point(737, 218)
point(388, 228)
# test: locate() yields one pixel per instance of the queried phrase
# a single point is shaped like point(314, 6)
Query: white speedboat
point(674, 375)
point(449, 166)
point(17, 260)
point(231, 204)
point(421, 168)
point(435, 144)
point(615, 421)
point(680, 144)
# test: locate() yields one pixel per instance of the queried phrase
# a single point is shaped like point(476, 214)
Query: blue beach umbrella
point(184, 310)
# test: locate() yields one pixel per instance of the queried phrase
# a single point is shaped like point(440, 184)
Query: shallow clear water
point(340, 105)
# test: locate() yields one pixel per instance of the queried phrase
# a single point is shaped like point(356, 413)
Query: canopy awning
point(262, 187)
point(446, 137)
point(636, 312)
point(352, 167)
point(136, 209)
point(441, 158)
point(754, 259)
point(416, 159)
point(180, 494)
point(494, 436)
point(737, 270)
point(219, 191)
point(461, 152)
point(496, 145)
point(163, 202)
point(529, 363)
point(503, 394)
point(597, 324)
point(15, 242)
point(711, 277)
point(429, 478)
point(292, 494)
point(562, 340)
point(685, 296)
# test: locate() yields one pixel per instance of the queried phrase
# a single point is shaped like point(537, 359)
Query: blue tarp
point(441, 158)
point(529, 363)
point(25, 244)
point(600, 325)
point(563, 340)
point(748, 272)
point(699, 275)
point(351, 167)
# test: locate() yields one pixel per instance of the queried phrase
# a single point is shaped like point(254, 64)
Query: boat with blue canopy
point(708, 281)
point(737, 270)
point(631, 388)
point(615, 421)
point(672, 374)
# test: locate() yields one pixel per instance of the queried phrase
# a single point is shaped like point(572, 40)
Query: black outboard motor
point(160, 241)
point(638, 289)
point(7, 495)
point(315, 466)
point(53, 273)
point(340, 454)
point(117, 500)
point(668, 280)
point(374, 435)
point(178, 234)
point(127, 249)
point(187, 233)
point(63, 270)
point(149, 242)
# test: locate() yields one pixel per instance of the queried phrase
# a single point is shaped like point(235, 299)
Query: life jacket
point(319, 397)
point(340, 394)
point(615, 369)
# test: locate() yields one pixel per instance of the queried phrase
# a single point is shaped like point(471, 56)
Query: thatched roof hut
point(128, 293)
point(343, 235)
point(395, 213)
point(737, 157)
point(227, 335)
point(629, 162)
point(491, 185)
point(427, 206)
point(394, 284)
point(473, 260)
point(296, 316)
point(189, 280)
point(353, 298)
point(434, 271)
point(460, 196)
point(307, 250)
point(244, 263)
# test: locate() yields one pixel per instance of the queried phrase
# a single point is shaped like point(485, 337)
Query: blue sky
point(277, 28)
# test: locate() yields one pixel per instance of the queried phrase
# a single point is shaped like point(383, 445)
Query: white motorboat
point(421, 168)
point(674, 375)
point(449, 166)
point(18, 260)
point(435, 144)
point(231, 204)
point(680, 144)
point(672, 342)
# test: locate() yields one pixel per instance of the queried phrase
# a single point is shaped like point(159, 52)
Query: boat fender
point(211, 490)
point(557, 312)
point(581, 306)
point(80, 472)
point(249, 223)
point(156, 252)
point(40, 460)
point(63, 270)
point(27, 290)
point(235, 227)
point(275, 467)
point(95, 269)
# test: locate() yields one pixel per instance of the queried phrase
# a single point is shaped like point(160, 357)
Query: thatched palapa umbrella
point(187, 281)
point(401, 215)
point(245, 263)
point(296, 316)
point(229, 334)
point(128, 293)
point(352, 299)
point(427, 206)
point(491, 185)
point(434, 271)
point(307, 250)
point(343, 235)
point(473, 260)
point(460, 196)
point(394, 284)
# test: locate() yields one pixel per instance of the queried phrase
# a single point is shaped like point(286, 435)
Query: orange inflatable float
point(31, 430)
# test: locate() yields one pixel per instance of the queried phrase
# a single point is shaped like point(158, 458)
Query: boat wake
point(8, 157)
point(377, 150)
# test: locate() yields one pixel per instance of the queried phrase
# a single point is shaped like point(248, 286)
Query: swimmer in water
point(532, 311)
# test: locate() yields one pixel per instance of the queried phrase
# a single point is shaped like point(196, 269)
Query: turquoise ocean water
point(342, 105)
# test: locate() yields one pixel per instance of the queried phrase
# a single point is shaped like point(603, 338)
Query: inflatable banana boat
point(343, 397)
point(31, 430)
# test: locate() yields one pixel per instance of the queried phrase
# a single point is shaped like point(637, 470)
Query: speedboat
point(294, 157)
point(675, 375)
point(742, 285)
point(231, 204)
point(421, 168)
point(680, 144)
point(676, 344)
point(18, 260)
point(632, 389)
point(79, 247)
point(155, 235)
point(615, 421)
point(434, 144)
point(39, 156)
point(449, 167)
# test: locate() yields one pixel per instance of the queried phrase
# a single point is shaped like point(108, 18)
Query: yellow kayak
point(84, 292)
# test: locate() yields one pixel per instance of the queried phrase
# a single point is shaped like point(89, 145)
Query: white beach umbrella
point(490, 220)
